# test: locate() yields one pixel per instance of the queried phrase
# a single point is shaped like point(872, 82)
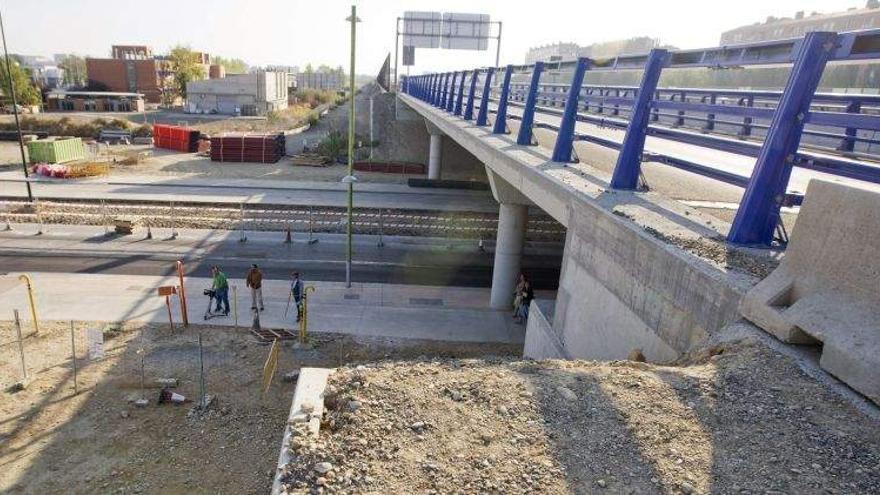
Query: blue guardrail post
point(460, 97)
point(483, 114)
point(451, 97)
point(524, 137)
point(758, 212)
point(562, 150)
point(469, 108)
point(629, 160)
point(500, 126)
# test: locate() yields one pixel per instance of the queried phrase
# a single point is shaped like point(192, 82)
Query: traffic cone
point(288, 238)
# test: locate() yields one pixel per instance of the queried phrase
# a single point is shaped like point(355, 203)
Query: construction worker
point(296, 291)
point(221, 290)
point(254, 281)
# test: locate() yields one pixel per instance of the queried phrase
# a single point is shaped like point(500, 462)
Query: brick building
point(135, 69)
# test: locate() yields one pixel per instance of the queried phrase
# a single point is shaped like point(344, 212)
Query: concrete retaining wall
point(403, 137)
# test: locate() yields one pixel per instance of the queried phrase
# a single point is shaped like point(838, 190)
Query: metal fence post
point(483, 114)
point(73, 356)
point(563, 147)
point(104, 217)
point(450, 99)
point(24, 375)
point(381, 243)
point(39, 207)
point(173, 222)
point(710, 118)
point(469, 107)
point(629, 160)
point(435, 93)
point(235, 305)
point(460, 96)
point(746, 129)
point(758, 212)
point(848, 144)
point(528, 117)
point(242, 237)
point(500, 126)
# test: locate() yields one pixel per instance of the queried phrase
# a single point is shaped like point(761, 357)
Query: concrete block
point(826, 288)
point(307, 406)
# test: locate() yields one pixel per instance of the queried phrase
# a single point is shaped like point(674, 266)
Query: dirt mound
point(739, 419)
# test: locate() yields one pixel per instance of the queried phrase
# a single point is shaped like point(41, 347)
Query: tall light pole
point(350, 178)
point(15, 112)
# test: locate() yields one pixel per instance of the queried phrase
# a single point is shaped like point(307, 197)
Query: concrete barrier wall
point(542, 342)
point(621, 288)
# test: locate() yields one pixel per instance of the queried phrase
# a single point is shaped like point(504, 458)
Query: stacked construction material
point(174, 137)
point(260, 148)
point(56, 150)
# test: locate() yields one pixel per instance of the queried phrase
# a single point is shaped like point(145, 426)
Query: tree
point(232, 65)
point(25, 91)
point(74, 70)
point(186, 66)
point(309, 69)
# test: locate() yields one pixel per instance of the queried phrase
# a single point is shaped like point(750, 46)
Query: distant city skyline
point(275, 32)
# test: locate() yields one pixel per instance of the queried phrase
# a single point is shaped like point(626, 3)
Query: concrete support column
point(512, 222)
point(434, 156)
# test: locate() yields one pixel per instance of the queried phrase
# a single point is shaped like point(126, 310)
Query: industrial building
point(774, 28)
point(557, 52)
point(134, 69)
point(241, 94)
point(332, 81)
point(94, 101)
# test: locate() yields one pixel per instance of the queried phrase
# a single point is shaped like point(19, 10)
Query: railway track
point(271, 217)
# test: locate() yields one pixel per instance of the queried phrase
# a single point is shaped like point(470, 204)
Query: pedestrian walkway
point(453, 314)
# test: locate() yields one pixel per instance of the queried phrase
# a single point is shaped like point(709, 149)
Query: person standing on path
point(525, 294)
point(221, 290)
point(296, 291)
point(254, 281)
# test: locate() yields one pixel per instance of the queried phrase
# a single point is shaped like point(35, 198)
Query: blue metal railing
point(768, 125)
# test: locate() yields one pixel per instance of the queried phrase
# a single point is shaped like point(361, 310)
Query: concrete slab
point(310, 392)
point(826, 288)
point(380, 310)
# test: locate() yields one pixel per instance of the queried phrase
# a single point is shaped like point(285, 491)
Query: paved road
point(399, 261)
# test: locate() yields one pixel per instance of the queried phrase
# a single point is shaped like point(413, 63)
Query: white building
point(240, 94)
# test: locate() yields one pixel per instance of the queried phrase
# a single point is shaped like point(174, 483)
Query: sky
point(294, 32)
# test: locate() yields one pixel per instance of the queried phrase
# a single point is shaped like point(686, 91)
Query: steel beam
point(562, 149)
point(460, 97)
point(469, 108)
point(524, 137)
point(629, 160)
point(483, 114)
point(451, 95)
point(758, 213)
point(500, 126)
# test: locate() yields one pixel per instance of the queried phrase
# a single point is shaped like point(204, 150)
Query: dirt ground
point(738, 419)
point(99, 441)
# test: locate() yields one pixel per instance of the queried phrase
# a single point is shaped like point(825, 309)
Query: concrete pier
point(435, 155)
point(512, 222)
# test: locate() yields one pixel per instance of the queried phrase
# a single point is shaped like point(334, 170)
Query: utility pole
point(350, 178)
point(15, 112)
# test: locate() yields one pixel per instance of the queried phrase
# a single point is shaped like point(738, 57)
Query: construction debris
point(311, 160)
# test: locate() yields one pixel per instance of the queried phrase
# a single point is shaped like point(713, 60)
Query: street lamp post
point(350, 178)
point(15, 112)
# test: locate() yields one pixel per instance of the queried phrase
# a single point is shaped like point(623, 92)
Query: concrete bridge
point(641, 270)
